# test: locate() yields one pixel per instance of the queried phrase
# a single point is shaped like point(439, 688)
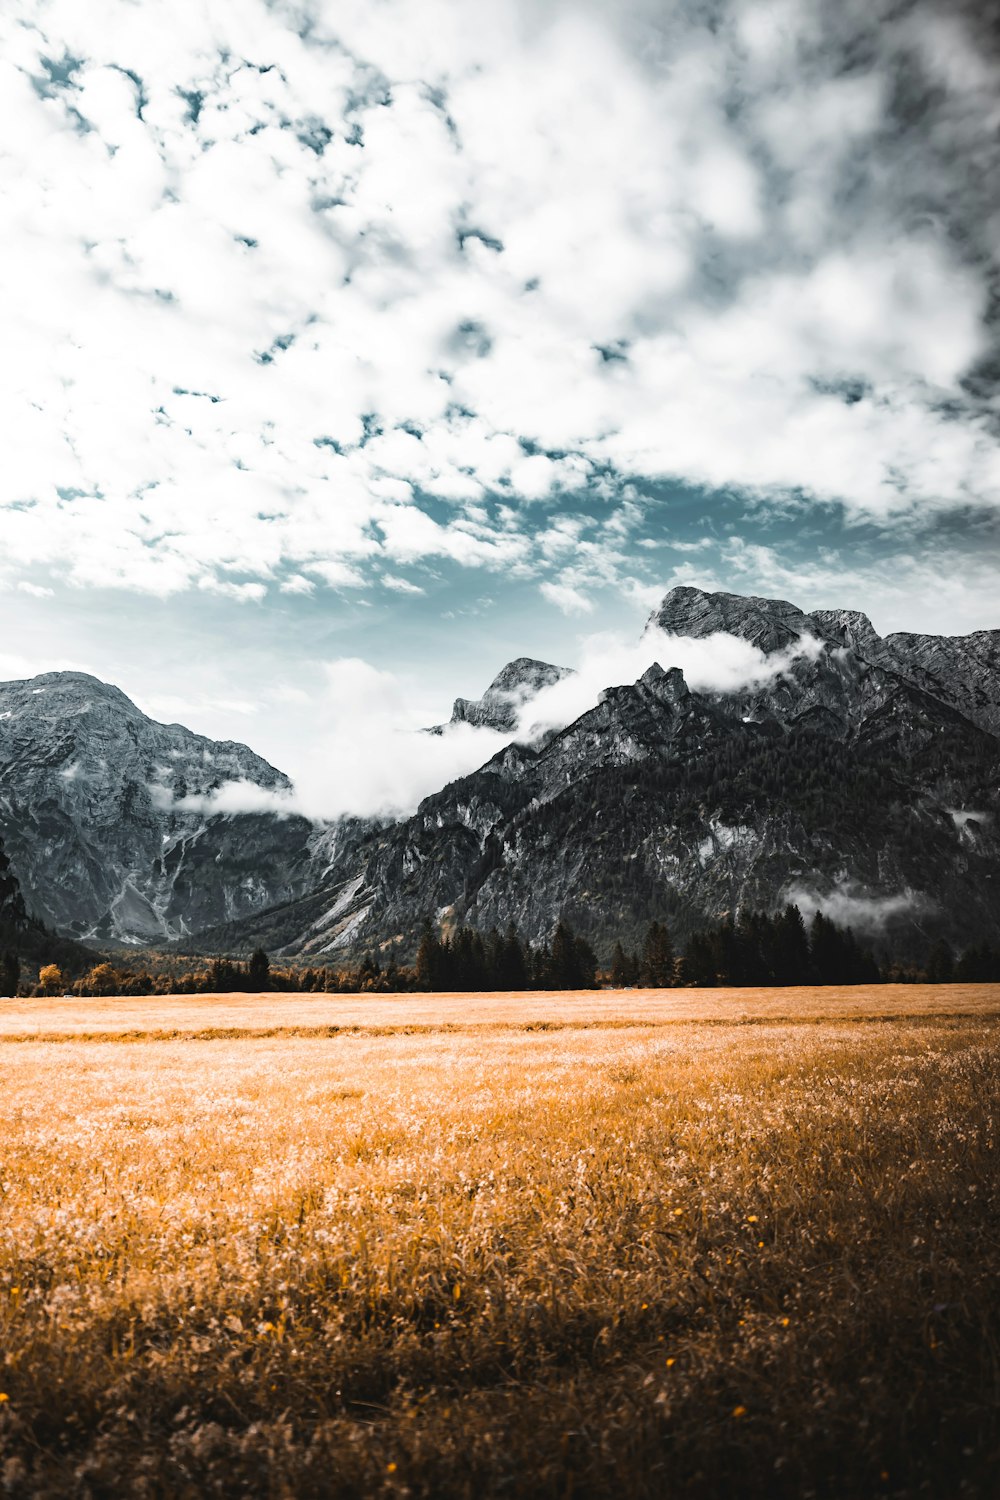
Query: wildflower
point(390, 1468)
point(739, 1411)
point(4, 1396)
point(751, 1218)
point(671, 1361)
point(785, 1322)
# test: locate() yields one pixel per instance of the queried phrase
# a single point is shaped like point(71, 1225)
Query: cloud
point(337, 285)
point(362, 751)
point(718, 663)
point(866, 914)
point(400, 585)
point(570, 600)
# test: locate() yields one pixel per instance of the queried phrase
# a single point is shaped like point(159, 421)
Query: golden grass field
point(688, 1243)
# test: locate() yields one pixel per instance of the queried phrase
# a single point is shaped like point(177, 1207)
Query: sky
point(352, 347)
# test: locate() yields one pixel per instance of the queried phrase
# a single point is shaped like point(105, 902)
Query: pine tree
point(259, 971)
point(512, 966)
point(619, 968)
point(428, 958)
point(790, 948)
point(940, 964)
point(657, 971)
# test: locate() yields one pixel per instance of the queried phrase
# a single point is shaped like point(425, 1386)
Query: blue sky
point(420, 334)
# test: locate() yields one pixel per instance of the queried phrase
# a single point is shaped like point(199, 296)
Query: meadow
point(680, 1243)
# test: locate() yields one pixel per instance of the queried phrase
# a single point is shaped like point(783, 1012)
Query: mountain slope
point(101, 813)
point(850, 780)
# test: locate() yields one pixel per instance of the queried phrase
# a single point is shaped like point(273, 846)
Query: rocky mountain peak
point(512, 687)
point(57, 693)
point(848, 627)
point(770, 624)
point(107, 815)
point(668, 686)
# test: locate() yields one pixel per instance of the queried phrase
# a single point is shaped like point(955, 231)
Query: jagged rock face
point(92, 814)
point(964, 670)
point(770, 624)
point(513, 686)
point(863, 776)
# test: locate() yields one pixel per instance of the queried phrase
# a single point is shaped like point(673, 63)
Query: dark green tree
point(620, 968)
point(940, 964)
point(657, 968)
point(512, 966)
point(259, 970)
point(429, 959)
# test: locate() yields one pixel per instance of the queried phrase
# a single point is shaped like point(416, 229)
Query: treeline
point(755, 949)
point(758, 949)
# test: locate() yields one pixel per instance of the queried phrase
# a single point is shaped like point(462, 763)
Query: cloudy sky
point(351, 347)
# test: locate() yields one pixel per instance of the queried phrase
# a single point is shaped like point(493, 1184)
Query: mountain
point(853, 773)
point(103, 815)
point(513, 686)
point(857, 775)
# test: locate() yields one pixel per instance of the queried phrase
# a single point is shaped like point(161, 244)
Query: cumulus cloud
point(570, 600)
point(280, 275)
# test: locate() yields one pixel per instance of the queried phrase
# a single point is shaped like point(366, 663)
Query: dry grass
point(708, 1260)
point(207, 1015)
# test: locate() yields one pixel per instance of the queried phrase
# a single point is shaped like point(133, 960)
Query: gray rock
point(97, 815)
point(513, 686)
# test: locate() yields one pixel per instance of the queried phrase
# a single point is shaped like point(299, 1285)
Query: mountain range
point(856, 775)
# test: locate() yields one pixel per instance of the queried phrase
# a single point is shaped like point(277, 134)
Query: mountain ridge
point(857, 772)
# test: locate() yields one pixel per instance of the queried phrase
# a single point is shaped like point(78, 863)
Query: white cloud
point(365, 753)
point(570, 600)
point(400, 585)
point(849, 906)
point(717, 663)
point(429, 249)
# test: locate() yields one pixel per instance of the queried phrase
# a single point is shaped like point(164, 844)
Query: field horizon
point(221, 1015)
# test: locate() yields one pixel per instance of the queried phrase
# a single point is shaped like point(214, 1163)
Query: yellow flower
point(4, 1396)
point(739, 1411)
point(670, 1362)
point(390, 1468)
point(785, 1322)
point(751, 1218)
